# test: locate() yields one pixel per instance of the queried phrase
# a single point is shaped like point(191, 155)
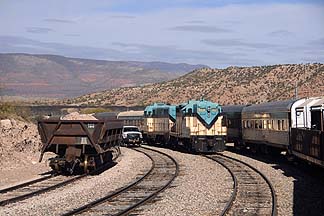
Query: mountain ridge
point(47, 75)
point(232, 85)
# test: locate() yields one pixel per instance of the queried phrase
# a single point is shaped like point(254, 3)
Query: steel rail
point(109, 196)
point(5, 190)
point(229, 204)
point(129, 187)
point(233, 195)
point(42, 190)
point(39, 191)
point(144, 200)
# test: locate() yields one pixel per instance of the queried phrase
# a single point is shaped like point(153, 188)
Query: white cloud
point(288, 27)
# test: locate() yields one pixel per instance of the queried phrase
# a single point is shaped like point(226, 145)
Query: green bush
point(11, 110)
point(6, 110)
point(94, 110)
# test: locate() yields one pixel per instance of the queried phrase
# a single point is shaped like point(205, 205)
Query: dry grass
point(233, 85)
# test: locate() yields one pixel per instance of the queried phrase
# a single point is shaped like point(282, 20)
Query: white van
point(131, 136)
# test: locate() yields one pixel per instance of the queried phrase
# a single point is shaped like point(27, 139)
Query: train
point(295, 126)
point(80, 145)
point(159, 118)
point(132, 118)
point(196, 126)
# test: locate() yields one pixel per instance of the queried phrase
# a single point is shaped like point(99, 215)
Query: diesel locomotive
point(159, 118)
point(197, 125)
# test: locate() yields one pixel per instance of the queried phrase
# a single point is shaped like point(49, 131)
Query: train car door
point(316, 120)
point(317, 123)
point(323, 120)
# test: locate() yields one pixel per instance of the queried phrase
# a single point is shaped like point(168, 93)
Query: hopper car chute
point(80, 145)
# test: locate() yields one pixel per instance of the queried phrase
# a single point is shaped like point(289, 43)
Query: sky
point(217, 33)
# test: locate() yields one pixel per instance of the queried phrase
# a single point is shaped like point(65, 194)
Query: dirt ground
point(23, 172)
point(20, 146)
point(19, 152)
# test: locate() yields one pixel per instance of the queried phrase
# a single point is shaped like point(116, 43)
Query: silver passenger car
point(307, 132)
point(233, 115)
point(268, 123)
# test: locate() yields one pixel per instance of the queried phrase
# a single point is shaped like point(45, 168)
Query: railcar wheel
point(290, 157)
point(237, 146)
point(254, 148)
point(85, 164)
point(275, 151)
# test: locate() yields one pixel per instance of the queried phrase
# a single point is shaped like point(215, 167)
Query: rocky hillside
point(58, 76)
point(18, 140)
point(233, 85)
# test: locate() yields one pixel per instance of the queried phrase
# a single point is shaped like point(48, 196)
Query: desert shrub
point(12, 110)
point(24, 112)
point(94, 110)
point(6, 110)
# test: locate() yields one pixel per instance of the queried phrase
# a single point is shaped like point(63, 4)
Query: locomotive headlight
point(141, 136)
point(124, 136)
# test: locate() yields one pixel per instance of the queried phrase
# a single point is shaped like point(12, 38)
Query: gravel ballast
point(298, 193)
point(130, 165)
point(202, 188)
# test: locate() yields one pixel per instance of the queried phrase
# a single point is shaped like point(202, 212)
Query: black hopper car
point(80, 145)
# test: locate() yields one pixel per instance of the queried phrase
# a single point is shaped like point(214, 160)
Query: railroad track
point(32, 188)
point(163, 171)
point(43, 184)
point(252, 193)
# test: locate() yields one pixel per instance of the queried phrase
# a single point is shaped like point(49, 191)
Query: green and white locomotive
point(199, 127)
point(196, 126)
point(158, 120)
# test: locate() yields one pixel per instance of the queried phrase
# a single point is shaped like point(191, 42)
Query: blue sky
point(217, 33)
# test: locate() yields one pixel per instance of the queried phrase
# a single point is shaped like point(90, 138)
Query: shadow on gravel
point(47, 173)
point(104, 168)
point(308, 194)
point(181, 149)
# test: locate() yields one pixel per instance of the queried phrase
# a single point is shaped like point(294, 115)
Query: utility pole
point(296, 90)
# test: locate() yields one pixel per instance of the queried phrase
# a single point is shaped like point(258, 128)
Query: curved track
point(43, 184)
point(163, 171)
point(252, 193)
point(32, 188)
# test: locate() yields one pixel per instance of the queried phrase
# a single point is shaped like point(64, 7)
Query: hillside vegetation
point(233, 85)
